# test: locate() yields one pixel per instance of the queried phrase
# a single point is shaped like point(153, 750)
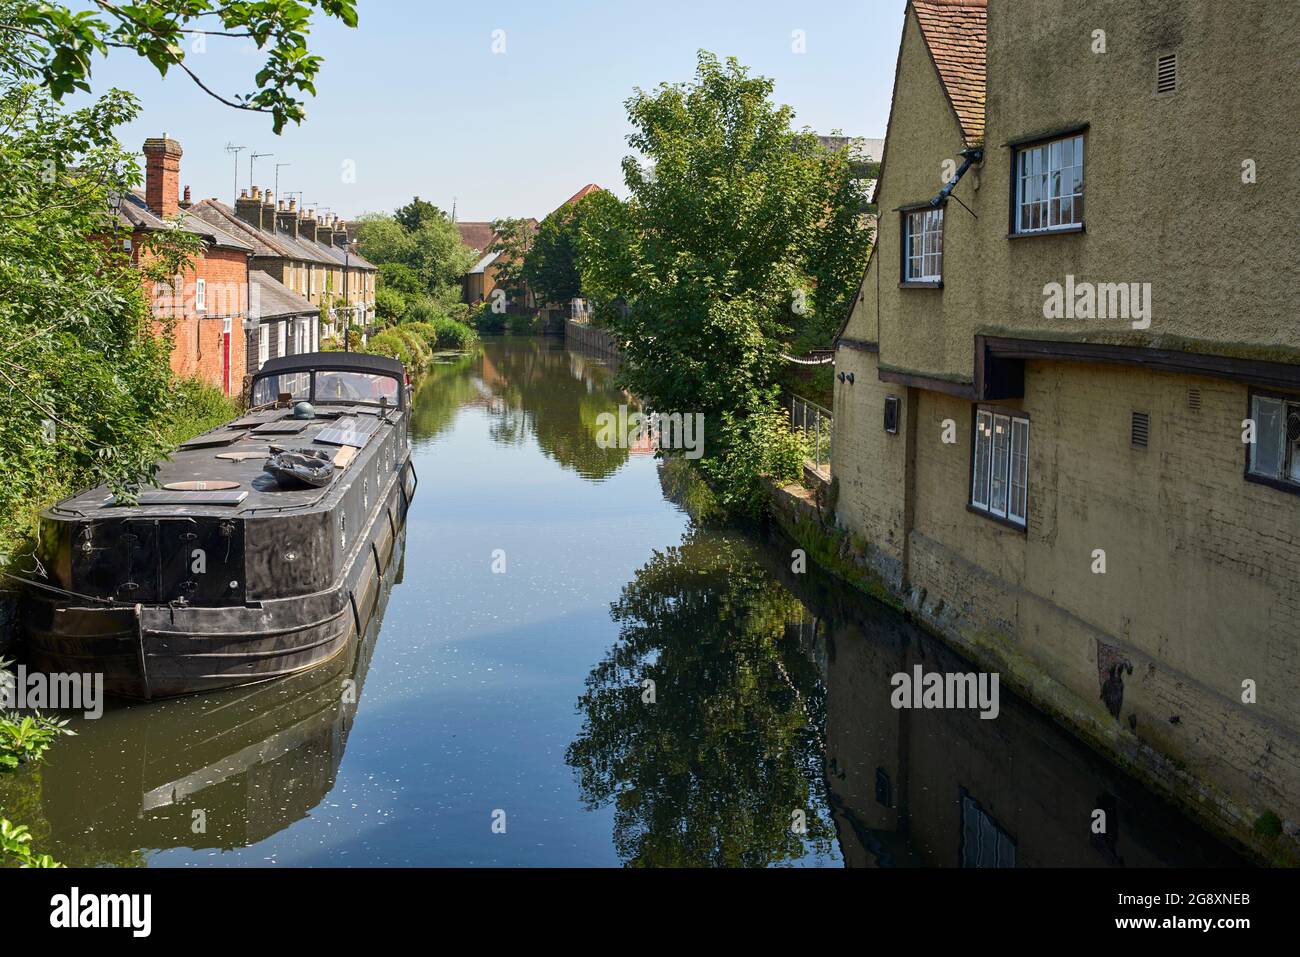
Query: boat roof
point(249, 438)
point(334, 361)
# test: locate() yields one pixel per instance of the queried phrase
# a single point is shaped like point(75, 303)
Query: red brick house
point(205, 308)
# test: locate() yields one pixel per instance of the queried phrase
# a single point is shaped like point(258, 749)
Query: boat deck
point(236, 452)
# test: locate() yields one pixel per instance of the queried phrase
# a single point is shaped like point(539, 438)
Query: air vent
point(1194, 399)
point(1141, 429)
point(891, 414)
point(1167, 73)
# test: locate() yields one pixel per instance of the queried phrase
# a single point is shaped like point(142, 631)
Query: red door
point(225, 356)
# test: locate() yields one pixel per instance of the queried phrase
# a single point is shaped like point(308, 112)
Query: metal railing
point(817, 425)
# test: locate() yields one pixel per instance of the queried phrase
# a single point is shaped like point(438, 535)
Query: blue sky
point(416, 98)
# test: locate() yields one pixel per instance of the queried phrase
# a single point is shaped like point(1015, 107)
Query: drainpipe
point(970, 156)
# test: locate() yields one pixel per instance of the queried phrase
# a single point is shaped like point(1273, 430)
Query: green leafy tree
point(418, 251)
point(513, 238)
point(58, 44)
point(552, 266)
point(741, 232)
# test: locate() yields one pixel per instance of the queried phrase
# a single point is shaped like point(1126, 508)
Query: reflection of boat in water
point(224, 770)
point(224, 576)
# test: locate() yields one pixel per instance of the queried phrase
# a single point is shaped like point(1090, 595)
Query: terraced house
point(1067, 408)
point(310, 258)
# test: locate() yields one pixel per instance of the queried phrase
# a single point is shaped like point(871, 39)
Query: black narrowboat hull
point(191, 591)
point(151, 651)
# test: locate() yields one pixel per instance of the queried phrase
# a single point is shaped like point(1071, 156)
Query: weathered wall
point(1163, 173)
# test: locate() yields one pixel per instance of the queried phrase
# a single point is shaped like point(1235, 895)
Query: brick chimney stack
point(287, 219)
point(268, 211)
point(162, 176)
point(249, 208)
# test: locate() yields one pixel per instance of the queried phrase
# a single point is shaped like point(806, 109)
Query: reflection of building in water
point(945, 788)
point(223, 770)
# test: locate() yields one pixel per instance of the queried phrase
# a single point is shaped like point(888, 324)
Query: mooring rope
point(59, 591)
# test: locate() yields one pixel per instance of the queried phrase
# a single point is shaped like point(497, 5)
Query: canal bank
point(806, 514)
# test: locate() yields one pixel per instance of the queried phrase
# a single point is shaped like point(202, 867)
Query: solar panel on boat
point(224, 437)
point(287, 427)
point(165, 497)
point(350, 431)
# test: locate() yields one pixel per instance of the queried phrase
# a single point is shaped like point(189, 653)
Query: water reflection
point(534, 390)
point(772, 693)
point(223, 770)
point(718, 761)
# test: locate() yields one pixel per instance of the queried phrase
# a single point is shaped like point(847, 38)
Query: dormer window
point(923, 245)
point(1049, 186)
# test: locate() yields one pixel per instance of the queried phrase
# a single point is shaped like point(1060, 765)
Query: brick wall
point(197, 336)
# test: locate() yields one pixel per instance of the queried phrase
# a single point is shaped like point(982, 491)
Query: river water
point(566, 670)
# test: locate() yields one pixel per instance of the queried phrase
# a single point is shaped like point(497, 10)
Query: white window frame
point(1270, 413)
point(1049, 181)
point(1000, 465)
point(283, 338)
point(263, 344)
point(923, 244)
point(200, 295)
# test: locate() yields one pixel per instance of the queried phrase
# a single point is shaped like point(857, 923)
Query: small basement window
point(1275, 453)
point(1000, 466)
point(891, 414)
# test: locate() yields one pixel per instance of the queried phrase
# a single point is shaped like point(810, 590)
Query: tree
point(553, 266)
point(512, 239)
point(86, 392)
point(741, 232)
point(418, 251)
point(59, 43)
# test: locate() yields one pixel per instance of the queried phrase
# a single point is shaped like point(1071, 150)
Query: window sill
point(998, 520)
point(1282, 485)
point(936, 284)
point(1038, 233)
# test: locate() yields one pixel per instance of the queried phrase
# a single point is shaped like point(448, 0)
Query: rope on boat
point(59, 591)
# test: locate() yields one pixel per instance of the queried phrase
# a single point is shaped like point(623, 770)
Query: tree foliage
point(58, 44)
point(512, 238)
point(420, 256)
point(552, 265)
point(742, 239)
point(86, 391)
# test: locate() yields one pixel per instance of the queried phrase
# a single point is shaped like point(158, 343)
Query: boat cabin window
point(355, 387)
point(330, 386)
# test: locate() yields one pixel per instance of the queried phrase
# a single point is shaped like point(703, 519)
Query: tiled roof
point(272, 299)
point(956, 33)
point(585, 191)
point(477, 236)
point(135, 214)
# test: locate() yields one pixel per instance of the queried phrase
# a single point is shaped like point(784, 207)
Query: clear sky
point(418, 101)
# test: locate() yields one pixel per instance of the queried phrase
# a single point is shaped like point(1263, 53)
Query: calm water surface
point(518, 696)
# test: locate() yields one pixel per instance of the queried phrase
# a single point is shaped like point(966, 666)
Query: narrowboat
point(225, 574)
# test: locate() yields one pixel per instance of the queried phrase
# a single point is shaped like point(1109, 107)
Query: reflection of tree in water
point(445, 389)
point(556, 395)
point(710, 773)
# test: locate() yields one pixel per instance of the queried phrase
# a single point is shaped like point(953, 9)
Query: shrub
point(424, 309)
point(489, 323)
point(522, 324)
point(746, 450)
point(454, 335)
point(416, 345)
point(199, 407)
point(391, 345)
point(390, 305)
